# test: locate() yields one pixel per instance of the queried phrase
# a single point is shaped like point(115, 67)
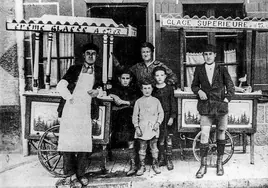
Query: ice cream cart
point(243, 107)
point(42, 123)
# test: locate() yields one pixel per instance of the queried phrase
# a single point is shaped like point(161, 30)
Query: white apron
point(75, 133)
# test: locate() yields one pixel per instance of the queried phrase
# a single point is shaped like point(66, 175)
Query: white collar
point(211, 66)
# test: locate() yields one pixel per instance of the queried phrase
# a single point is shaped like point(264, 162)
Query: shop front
point(41, 116)
point(242, 117)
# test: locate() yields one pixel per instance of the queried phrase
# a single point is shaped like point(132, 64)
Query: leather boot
point(132, 169)
point(132, 156)
point(220, 170)
point(142, 168)
point(220, 150)
point(162, 161)
point(155, 166)
point(170, 165)
point(203, 167)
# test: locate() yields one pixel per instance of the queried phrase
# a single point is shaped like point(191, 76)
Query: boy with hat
point(214, 88)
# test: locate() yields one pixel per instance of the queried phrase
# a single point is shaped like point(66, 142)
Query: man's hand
point(226, 100)
point(202, 95)
point(93, 92)
point(156, 126)
point(71, 100)
point(138, 131)
point(170, 121)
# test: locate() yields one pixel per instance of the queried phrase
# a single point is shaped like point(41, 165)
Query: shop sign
point(209, 23)
point(66, 28)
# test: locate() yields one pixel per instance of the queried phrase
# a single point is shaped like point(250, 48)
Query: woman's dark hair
point(159, 68)
point(148, 45)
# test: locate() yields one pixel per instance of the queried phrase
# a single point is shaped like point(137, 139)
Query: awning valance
point(177, 21)
point(69, 24)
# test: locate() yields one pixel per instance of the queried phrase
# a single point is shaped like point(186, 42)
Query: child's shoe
point(170, 165)
point(132, 169)
point(155, 166)
point(142, 169)
point(162, 161)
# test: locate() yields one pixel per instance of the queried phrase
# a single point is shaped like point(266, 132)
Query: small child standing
point(165, 94)
point(147, 116)
point(124, 97)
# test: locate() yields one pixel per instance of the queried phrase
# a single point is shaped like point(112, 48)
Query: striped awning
point(70, 24)
point(177, 21)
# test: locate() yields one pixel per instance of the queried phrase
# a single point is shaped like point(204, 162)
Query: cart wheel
point(212, 152)
point(48, 155)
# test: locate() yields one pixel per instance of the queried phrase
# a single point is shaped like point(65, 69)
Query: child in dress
point(165, 94)
point(124, 97)
point(147, 116)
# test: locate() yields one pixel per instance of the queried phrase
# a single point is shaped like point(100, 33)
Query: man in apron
point(77, 88)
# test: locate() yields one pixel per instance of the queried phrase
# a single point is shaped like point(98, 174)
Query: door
point(126, 49)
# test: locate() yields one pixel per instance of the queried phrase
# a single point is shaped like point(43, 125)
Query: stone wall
point(10, 125)
point(261, 136)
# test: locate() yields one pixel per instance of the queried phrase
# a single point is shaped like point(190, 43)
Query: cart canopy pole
point(48, 67)
point(104, 65)
point(110, 70)
point(36, 62)
point(253, 58)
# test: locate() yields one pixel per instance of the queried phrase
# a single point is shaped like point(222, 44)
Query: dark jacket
point(222, 87)
point(125, 93)
point(71, 77)
point(166, 97)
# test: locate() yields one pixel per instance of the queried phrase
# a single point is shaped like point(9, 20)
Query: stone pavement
point(28, 172)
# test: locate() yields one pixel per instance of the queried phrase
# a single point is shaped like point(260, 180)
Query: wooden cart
point(244, 104)
point(42, 123)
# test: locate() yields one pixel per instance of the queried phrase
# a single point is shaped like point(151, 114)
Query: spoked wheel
point(212, 152)
point(48, 155)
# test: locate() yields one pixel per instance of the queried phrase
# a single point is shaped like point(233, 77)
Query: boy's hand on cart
point(116, 99)
point(93, 92)
point(120, 102)
point(170, 121)
point(138, 131)
point(202, 95)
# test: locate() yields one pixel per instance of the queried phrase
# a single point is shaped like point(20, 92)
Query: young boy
point(165, 94)
point(214, 88)
point(147, 116)
point(124, 97)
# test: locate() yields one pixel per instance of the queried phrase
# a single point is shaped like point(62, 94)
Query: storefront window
point(62, 57)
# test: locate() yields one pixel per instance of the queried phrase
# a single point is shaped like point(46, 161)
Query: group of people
point(145, 110)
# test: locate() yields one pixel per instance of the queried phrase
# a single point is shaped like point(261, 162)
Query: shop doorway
point(126, 49)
